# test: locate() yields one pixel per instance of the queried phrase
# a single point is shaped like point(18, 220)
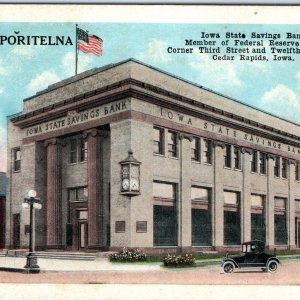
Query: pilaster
point(246, 196)
point(291, 206)
point(218, 197)
point(184, 209)
point(270, 203)
point(95, 201)
point(53, 194)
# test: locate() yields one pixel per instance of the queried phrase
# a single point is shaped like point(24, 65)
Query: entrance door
point(82, 235)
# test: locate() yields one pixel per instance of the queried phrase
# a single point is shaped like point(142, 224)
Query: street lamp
point(31, 202)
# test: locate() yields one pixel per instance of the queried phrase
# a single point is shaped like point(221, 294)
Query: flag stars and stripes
point(94, 45)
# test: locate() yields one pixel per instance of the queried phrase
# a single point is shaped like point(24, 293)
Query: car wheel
point(228, 267)
point(272, 266)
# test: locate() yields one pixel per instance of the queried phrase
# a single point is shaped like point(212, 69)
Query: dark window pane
point(195, 149)
point(254, 162)
point(172, 143)
point(158, 140)
point(258, 227)
point(232, 228)
point(83, 150)
point(165, 225)
point(262, 163)
point(237, 158)
point(227, 156)
point(207, 151)
point(17, 160)
point(277, 167)
point(284, 168)
point(297, 173)
point(201, 228)
point(280, 230)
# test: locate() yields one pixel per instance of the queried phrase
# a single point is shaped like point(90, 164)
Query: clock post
point(130, 176)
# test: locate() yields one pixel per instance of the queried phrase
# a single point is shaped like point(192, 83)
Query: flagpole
point(76, 52)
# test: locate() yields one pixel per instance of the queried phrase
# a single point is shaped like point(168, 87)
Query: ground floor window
point(201, 216)
point(280, 229)
point(280, 221)
point(232, 219)
point(258, 227)
point(201, 227)
point(165, 225)
point(232, 228)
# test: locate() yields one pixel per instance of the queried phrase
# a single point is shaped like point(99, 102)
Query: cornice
point(92, 98)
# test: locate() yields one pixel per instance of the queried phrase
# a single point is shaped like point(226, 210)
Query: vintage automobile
point(253, 256)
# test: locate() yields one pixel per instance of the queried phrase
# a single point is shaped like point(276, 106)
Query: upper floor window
point(297, 204)
point(164, 190)
point(297, 171)
point(254, 162)
point(172, 144)
point(284, 169)
point(207, 151)
point(78, 149)
point(158, 140)
point(262, 163)
point(78, 194)
point(227, 156)
point(195, 151)
point(237, 158)
point(277, 167)
point(17, 159)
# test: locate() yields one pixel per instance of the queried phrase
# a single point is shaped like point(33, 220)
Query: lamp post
point(31, 202)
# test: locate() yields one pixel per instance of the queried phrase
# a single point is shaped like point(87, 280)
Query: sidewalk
point(59, 265)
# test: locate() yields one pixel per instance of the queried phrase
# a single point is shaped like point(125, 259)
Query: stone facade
point(72, 137)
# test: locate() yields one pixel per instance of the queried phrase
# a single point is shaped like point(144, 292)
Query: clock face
point(125, 171)
point(125, 184)
point(134, 185)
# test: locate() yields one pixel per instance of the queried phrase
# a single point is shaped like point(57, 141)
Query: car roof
point(258, 243)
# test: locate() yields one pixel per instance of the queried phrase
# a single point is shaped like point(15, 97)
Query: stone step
point(66, 255)
point(3, 252)
point(61, 254)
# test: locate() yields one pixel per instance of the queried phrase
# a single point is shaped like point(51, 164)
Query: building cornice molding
point(92, 98)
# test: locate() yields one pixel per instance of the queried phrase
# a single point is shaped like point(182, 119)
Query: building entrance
point(77, 228)
point(82, 235)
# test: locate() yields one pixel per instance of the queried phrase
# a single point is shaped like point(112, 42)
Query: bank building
point(127, 155)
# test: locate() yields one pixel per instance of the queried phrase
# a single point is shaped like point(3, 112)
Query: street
point(287, 274)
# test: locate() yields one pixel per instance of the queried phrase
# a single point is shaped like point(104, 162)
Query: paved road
point(288, 274)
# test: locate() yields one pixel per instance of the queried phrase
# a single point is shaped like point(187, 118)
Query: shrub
point(130, 255)
point(179, 260)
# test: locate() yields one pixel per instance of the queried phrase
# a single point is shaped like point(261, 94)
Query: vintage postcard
point(149, 151)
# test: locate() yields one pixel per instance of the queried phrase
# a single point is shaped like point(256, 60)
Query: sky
point(269, 85)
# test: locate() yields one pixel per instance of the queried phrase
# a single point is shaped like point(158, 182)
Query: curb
point(20, 270)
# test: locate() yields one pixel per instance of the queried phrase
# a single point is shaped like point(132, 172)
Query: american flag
point(93, 45)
